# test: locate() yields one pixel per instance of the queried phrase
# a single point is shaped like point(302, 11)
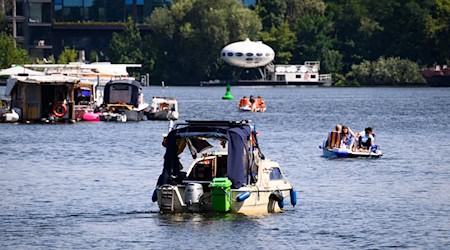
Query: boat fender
point(155, 196)
point(243, 196)
point(59, 110)
point(293, 195)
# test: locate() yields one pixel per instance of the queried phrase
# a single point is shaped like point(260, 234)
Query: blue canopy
point(241, 141)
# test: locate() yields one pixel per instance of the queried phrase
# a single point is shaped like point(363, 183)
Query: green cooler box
point(220, 191)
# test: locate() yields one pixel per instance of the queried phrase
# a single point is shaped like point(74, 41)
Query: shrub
point(388, 71)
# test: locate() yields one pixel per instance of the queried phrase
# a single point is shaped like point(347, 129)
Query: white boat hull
point(171, 200)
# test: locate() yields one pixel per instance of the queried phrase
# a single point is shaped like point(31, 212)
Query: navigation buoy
point(228, 95)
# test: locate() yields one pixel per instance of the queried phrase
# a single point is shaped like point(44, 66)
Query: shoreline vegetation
point(387, 43)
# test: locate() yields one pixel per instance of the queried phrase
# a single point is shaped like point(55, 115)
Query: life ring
point(59, 110)
point(306, 76)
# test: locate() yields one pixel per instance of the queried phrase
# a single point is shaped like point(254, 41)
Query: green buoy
point(228, 95)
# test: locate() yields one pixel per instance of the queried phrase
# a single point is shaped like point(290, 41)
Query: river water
point(89, 185)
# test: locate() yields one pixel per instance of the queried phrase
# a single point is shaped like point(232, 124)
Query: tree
point(438, 28)
point(282, 40)
point(272, 13)
point(9, 53)
point(67, 55)
point(315, 37)
point(299, 8)
point(190, 34)
point(125, 47)
point(388, 71)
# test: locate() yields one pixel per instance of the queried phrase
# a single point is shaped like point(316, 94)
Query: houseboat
point(42, 98)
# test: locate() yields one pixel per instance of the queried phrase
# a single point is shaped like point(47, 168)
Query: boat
point(245, 105)
point(43, 98)
point(87, 99)
point(335, 149)
point(255, 62)
point(6, 114)
point(336, 152)
point(123, 100)
point(245, 109)
point(437, 76)
point(163, 108)
point(229, 173)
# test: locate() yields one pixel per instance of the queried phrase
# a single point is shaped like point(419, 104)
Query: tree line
point(359, 41)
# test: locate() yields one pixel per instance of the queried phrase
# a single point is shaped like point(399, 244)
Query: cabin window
point(275, 174)
point(239, 54)
point(223, 54)
point(249, 54)
point(298, 76)
point(313, 76)
point(267, 54)
point(259, 54)
point(281, 77)
point(120, 87)
point(249, 59)
point(230, 54)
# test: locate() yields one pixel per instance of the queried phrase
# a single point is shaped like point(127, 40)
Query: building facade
point(45, 27)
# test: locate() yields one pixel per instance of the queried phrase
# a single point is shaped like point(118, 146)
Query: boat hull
point(171, 199)
point(162, 115)
point(346, 153)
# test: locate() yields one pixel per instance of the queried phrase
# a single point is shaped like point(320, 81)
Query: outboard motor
point(193, 196)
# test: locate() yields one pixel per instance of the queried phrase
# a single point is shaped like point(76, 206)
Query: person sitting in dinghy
point(244, 102)
point(366, 139)
point(334, 138)
point(348, 138)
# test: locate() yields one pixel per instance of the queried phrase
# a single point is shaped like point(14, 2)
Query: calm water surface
point(89, 185)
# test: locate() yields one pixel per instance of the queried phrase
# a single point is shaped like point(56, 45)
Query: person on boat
point(259, 104)
point(252, 103)
point(334, 137)
point(366, 139)
point(244, 102)
point(348, 138)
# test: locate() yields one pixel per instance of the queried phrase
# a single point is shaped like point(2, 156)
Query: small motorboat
point(229, 173)
point(163, 108)
point(123, 100)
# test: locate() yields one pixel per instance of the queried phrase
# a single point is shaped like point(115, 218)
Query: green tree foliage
point(191, 33)
point(438, 28)
point(314, 35)
point(67, 55)
point(93, 56)
point(272, 13)
point(125, 47)
point(282, 40)
point(388, 71)
point(9, 53)
point(332, 61)
point(299, 8)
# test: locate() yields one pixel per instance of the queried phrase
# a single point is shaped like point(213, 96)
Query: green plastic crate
point(220, 191)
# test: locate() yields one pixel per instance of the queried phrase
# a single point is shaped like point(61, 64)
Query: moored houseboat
point(42, 98)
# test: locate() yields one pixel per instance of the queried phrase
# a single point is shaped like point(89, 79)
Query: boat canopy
point(122, 91)
point(241, 139)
